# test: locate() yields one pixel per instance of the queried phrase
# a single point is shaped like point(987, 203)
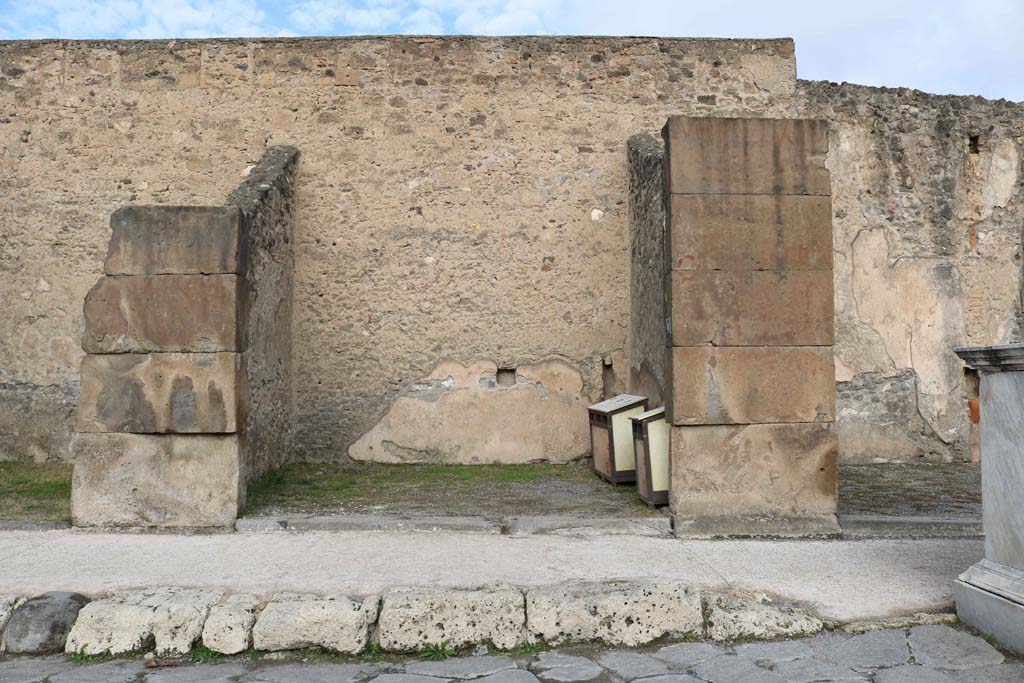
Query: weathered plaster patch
point(915, 306)
point(462, 414)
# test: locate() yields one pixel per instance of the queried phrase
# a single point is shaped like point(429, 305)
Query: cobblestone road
point(924, 654)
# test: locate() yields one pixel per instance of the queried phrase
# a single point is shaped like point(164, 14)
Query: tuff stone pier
point(750, 304)
point(185, 391)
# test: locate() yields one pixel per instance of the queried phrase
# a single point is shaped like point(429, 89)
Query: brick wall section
point(750, 295)
point(186, 388)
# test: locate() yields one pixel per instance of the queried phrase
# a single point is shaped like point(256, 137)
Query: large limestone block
point(741, 385)
point(740, 615)
point(169, 618)
point(746, 156)
point(156, 480)
point(752, 307)
point(40, 625)
point(152, 240)
point(228, 628)
point(750, 232)
point(141, 313)
point(161, 392)
point(725, 476)
point(411, 620)
point(334, 622)
point(618, 613)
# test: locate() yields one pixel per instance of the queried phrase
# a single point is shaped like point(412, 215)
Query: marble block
point(990, 594)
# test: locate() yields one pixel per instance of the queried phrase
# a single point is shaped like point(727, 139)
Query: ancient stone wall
point(928, 214)
point(648, 334)
point(186, 385)
point(459, 201)
point(465, 200)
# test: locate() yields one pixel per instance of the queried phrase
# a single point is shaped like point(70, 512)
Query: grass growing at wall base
point(35, 491)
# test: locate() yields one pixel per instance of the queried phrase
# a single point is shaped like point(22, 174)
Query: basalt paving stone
point(509, 676)
point(943, 647)
point(912, 673)
point(32, 670)
point(812, 670)
point(408, 678)
point(771, 653)
point(1002, 673)
point(686, 655)
point(735, 669)
point(630, 665)
point(668, 678)
point(552, 666)
point(309, 673)
point(462, 668)
point(866, 651)
point(200, 673)
point(106, 672)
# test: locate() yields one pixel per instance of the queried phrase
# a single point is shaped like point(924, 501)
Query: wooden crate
point(611, 437)
point(651, 448)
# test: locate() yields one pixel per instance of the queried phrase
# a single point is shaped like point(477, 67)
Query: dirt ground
point(953, 490)
point(489, 490)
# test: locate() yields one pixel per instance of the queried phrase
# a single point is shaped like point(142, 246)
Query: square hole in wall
point(974, 144)
point(506, 377)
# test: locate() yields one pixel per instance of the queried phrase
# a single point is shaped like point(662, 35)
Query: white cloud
point(423, 22)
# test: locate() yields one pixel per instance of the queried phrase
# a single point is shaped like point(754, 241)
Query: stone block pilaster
point(185, 391)
point(749, 297)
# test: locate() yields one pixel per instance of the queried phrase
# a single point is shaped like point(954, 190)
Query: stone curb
point(523, 525)
point(31, 525)
point(172, 621)
point(882, 526)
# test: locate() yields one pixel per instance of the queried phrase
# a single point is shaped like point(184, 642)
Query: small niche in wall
point(506, 377)
point(974, 144)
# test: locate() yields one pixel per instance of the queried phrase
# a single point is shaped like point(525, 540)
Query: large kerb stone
point(412, 620)
point(152, 240)
point(40, 625)
point(228, 628)
point(161, 392)
point(735, 616)
point(181, 313)
point(168, 619)
point(291, 621)
point(618, 613)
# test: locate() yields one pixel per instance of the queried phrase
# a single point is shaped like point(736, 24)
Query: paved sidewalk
point(925, 654)
point(842, 580)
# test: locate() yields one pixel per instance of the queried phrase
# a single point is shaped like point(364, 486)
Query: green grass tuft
point(35, 491)
point(204, 655)
point(438, 652)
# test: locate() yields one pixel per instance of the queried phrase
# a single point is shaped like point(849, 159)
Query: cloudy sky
point(942, 46)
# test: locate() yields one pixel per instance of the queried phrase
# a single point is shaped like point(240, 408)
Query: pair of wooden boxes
point(631, 444)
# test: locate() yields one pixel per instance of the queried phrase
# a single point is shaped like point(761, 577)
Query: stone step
point(515, 526)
